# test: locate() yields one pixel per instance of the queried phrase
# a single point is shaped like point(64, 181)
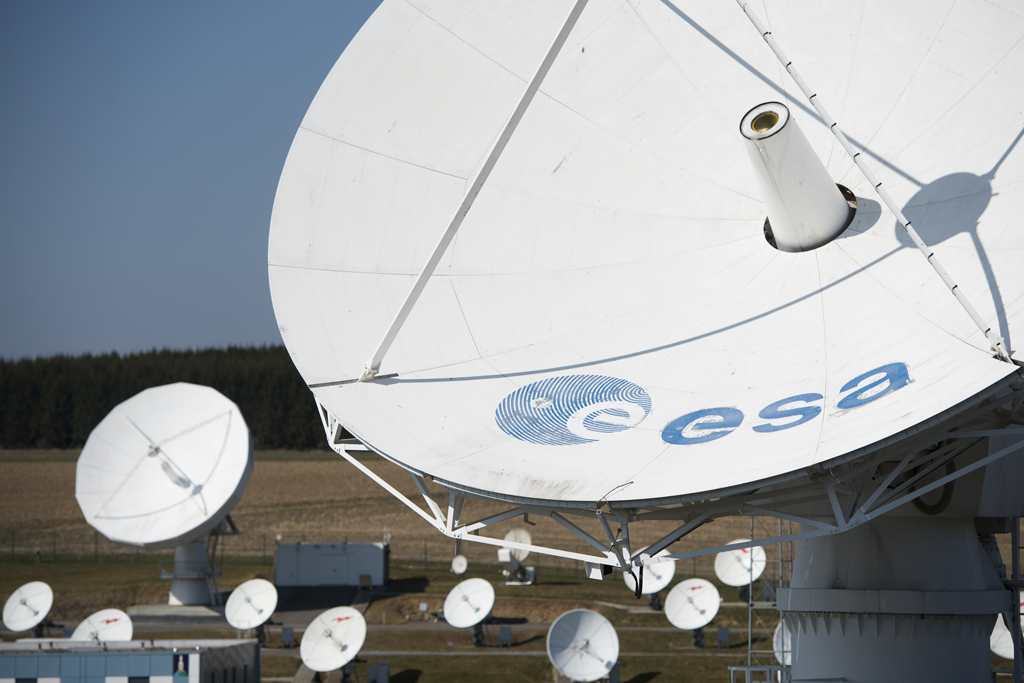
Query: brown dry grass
point(323, 500)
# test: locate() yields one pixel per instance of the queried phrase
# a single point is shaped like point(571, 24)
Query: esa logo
point(579, 409)
point(706, 425)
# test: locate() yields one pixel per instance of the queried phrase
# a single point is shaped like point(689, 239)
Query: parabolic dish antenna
point(333, 639)
point(28, 606)
point(610, 288)
point(251, 604)
point(460, 564)
point(656, 576)
point(1001, 640)
point(583, 645)
point(469, 603)
point(519, 535)
point(733, 567)
point(107, 625)
point(164, 467)
point(692, 604)
point(782, 645)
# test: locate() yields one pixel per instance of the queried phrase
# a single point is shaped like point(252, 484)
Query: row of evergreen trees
point(55, 402)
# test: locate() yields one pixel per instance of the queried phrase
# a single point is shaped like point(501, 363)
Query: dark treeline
point(55, 402)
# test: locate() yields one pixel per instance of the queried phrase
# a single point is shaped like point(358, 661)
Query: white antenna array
point(692, 604)
point(333, 639)
point(251, 604)
point(583, 645)
point(741, 566)
point(469, 603)
point(105, 626)
point(28, 606)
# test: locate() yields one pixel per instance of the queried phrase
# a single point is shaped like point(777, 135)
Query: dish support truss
point(843, 494)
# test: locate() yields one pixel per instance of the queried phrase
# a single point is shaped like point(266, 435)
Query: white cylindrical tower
point(897, 599)
point(806, 209)
point(190, 579)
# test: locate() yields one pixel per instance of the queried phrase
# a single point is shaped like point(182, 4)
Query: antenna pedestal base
point(897, 599)
point(190, 579)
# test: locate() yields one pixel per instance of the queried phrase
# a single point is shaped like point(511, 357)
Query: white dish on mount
point(692, 604)
point(519, 535)
point(28, 606)
point(460, 564)
point(656, 576)
point(1001, 641)
point(105, 626)
point(742, 566)
point(614, 266)
point(251, 604)
point(782, 644)
point(583, 645)
point(469, 603)
point(333, 639)
point(164, 467)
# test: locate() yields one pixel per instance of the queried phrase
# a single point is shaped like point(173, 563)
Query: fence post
point(12, 544)
point(96, 546)
point(264, 548)
point(54, 546)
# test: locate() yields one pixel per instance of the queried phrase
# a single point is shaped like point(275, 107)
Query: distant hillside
point(55, 402)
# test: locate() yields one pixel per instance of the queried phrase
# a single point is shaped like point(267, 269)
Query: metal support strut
point(373, 363)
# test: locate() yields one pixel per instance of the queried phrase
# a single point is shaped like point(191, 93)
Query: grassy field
point(317, 496)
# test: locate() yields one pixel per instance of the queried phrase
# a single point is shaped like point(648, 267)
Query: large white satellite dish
point(521, 536)
point(28, 606)
point(583, 645)
point(554, 246)
point(163, 469)
point(333, 639)
point(692, 604)
point(105, 626)
point(741, 566)
point(657, 576)
point(539, 339)
point(251, 604)
point(469, 603)
point(782, 644)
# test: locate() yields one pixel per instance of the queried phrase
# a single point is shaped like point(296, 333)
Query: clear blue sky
point(140, 148)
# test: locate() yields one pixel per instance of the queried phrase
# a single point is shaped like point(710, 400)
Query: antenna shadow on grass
point(644, 677)
point(407, 676)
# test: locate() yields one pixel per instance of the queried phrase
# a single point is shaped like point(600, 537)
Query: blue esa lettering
point(710, 424)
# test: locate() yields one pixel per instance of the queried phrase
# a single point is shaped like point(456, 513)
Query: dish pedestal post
point(896, 599)
point(190, 578)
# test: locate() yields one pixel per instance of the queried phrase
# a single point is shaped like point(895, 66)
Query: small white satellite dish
point(459, 564)
point(333, 639)
point(583, 645)
point(656, 576)
point(251, 604)
point(782, 645)
point(519, 535)
point(733, 567)
point(692, 604)
point(469, 603)
point(105, 626)
point(164, 467)
point(1001, 641)
point(28, 606)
